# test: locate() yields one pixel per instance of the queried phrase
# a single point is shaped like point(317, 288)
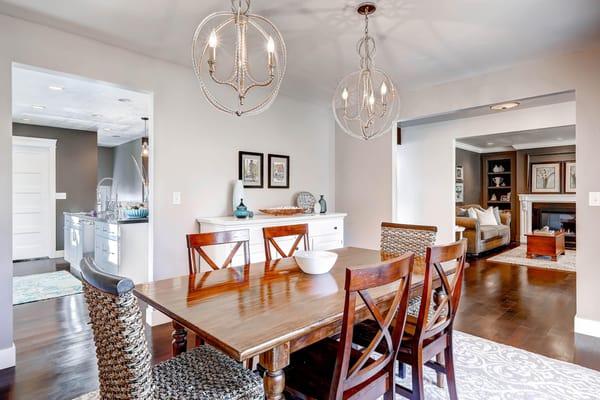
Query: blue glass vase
point(241, 211)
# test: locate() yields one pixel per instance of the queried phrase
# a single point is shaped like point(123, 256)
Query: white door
point(33, 198)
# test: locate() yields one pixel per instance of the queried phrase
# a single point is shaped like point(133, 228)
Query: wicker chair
point(398, 239)
point(124, 362)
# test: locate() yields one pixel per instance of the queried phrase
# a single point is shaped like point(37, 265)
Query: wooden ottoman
point(545, 244)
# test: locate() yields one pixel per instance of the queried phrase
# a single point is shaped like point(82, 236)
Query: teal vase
point(241, 211)
point(323, 205)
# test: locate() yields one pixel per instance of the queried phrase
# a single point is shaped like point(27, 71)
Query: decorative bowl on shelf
point(279, 211)
point(315, 262)
point(136, 213)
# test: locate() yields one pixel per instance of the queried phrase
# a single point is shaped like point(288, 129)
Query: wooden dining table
point(266, 309)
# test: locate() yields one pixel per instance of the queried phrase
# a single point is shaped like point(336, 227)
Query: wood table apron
point(266, 309)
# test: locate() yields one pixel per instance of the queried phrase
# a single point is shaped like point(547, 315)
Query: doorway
point(34, 163)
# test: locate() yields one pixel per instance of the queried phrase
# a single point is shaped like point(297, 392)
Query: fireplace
point(558, 217)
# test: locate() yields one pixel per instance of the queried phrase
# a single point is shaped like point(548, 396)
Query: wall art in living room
point(545, 178)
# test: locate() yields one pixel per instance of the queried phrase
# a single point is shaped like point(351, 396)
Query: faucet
point(103, 205)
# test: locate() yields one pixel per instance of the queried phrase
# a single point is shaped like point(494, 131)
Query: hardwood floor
point(523, 307)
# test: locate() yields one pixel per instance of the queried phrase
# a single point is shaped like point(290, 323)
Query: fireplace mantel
point(527, 201)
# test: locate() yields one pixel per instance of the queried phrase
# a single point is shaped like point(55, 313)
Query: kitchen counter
point(89, 217)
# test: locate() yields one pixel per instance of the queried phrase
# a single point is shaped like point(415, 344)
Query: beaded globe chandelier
point(365, 103)
point(239, 59)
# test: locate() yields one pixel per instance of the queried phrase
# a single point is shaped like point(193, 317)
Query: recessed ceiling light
point(490, 143)
point(37, 107)
point(559, 139)
point(124, 100)
point(56, 88)
point(505, 106)
point(107, 129)
point(26, 119)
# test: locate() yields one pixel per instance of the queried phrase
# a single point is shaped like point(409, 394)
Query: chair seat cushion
point(205, 373)
point(311, 369)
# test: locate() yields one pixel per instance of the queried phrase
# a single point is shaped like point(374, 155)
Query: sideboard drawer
point(327, 227)
point(327, 242)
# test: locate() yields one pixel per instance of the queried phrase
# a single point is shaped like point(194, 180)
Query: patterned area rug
point(518, 256)
point(493, 371)
point(30, 288)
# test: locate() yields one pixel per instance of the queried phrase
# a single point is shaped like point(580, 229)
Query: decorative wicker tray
point(282, 211)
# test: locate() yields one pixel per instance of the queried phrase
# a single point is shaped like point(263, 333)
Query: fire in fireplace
point(558, 217)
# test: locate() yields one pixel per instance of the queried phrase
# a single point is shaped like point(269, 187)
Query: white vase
point(238, 195)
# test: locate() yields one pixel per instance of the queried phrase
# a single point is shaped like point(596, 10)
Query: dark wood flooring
point(524, 307)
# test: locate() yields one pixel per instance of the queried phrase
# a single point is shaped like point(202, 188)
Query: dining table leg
point(179, 343)
point(274, 361)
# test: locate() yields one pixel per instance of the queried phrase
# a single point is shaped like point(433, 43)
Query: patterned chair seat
point(205, 373)
point(414, 305)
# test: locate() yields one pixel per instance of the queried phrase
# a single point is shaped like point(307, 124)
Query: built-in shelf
point(506, 160)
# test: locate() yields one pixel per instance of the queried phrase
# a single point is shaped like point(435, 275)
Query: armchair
point(483, 237)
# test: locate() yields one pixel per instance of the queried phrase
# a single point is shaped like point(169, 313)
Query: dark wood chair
point(335, 370)
point(273, 232)
point(197, 241)
point(429, 334)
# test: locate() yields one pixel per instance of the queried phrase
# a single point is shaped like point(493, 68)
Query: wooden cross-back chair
point(273, 232)
point(197, 241)
point(336, 370)
point(430, 333)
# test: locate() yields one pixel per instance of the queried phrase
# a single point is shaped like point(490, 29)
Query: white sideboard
point(325, 231)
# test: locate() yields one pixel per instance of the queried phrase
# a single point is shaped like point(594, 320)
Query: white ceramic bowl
point(315, 262)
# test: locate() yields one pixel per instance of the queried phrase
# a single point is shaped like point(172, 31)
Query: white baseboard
point(8, 357)
point(155, 318)
point(59, 254)
point(588, 327)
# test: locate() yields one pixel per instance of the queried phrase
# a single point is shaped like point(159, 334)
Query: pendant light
point(239, 59)
point(145, 139)
point(365, 103)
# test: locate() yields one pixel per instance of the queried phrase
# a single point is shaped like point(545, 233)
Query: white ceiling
point(547, 137)
point(420, 42)
point(81, 104)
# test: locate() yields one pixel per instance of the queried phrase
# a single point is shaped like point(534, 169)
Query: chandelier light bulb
point(371, 109)
point(345, 94)
point(212, 40)
point(240, 83)
point(271, 45)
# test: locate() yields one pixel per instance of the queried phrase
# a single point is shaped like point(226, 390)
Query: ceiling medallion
point(365, 103)
point(239, 59)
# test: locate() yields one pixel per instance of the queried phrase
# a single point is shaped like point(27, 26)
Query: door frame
point(50, 146)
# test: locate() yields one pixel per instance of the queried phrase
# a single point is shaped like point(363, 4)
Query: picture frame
point(279, 171)
point(460, 192)
point(459, 173)
point(545, 178)
point(570, 177)
point(251, 169)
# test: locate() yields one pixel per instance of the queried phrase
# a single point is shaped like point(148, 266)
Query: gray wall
point(471, 163)
point(125, 172)
point(106, 157)
point(76, 169)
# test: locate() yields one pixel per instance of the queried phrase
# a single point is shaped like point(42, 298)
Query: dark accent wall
point(471, 163)
point(106, 159)
point(76, 169)
point(541, 155)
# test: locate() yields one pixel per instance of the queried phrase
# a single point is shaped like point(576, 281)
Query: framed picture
point(570, 178)
point(279, 171)
point(459, 173)
point(545, 178)
point(250, 166)
point(460, 192)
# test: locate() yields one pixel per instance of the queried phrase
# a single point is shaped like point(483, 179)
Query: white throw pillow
point(497, 215)
point(486, 217)
point(472, 213)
